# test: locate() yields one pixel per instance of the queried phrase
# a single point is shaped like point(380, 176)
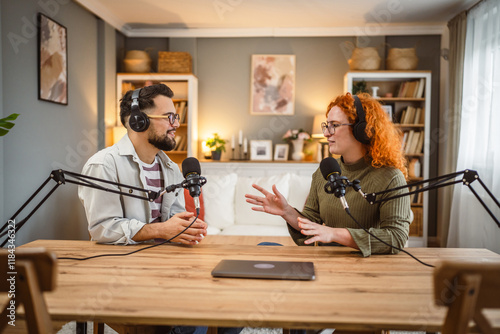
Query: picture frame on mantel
point(52, 61)
point(281, 152)
point(261, 150)
point(272, 88)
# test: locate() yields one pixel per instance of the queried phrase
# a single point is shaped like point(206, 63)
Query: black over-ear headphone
point(359, 128)
point(138, 121)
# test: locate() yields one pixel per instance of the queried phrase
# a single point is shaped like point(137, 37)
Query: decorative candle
point(240, 139)
point(245, 145)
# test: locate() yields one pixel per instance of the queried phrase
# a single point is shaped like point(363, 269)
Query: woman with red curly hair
point(371, 153)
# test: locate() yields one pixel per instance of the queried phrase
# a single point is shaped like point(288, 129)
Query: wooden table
point(172, 285)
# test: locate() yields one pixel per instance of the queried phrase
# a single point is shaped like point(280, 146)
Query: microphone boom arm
point(469, 176)
point(58, 176)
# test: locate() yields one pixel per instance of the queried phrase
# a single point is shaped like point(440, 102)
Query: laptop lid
point(284, 270)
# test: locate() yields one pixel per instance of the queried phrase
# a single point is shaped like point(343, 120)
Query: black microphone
point(191, 170)
point(331, 171)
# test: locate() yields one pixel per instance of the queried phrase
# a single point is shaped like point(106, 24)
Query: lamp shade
point(316, 130)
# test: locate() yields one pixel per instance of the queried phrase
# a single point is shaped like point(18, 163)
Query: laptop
point(284, 270)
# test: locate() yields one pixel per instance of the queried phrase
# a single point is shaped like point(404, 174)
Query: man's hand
point(178, 223)
point(175, 225)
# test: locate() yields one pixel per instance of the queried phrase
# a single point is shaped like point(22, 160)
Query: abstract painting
point(272, 85)
point(53, 61)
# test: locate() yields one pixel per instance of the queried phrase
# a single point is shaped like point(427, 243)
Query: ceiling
point(239, 18)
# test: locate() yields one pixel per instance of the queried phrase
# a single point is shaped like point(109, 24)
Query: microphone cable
point(129, 253)
point(392, 246)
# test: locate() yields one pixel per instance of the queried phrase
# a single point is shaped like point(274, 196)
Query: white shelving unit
point(185, 88)
point(389, 82)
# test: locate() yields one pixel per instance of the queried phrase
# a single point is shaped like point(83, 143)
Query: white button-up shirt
point(115, 218)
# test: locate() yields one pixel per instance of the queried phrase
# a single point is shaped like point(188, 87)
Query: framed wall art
point(261, 150)
point(52, 61)
point(272, 88)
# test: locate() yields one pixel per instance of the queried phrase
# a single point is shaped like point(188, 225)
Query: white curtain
point(479, 146)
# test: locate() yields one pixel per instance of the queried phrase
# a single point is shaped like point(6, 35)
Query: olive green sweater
point(389, 221)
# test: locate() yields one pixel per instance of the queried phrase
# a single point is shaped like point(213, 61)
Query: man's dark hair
point(146, 96)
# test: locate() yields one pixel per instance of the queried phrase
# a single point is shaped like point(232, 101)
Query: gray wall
point(47, 135)
point(223, 70)
point(222, 66)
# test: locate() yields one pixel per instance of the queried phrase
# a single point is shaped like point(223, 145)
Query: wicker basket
point(137, 61)
point(365, 59)
point(401, 59)
point(174, 62)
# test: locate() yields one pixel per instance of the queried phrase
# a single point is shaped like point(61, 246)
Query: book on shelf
point(180, 143)
point(420, 144)
point(414, 142)
point(410, 115)
point(409, 139)
point(181, 109)
point(416, 118)
point(412, 89)
point(420, 89)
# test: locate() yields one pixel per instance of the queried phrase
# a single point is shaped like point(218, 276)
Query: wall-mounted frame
point(52, 61)
point(261, 150)
point(272, 88)
point(281, 152)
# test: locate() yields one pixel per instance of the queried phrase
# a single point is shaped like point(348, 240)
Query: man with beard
point(138, 160)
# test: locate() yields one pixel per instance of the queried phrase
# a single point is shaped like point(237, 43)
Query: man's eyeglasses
point(171, 117)
point(331, 127)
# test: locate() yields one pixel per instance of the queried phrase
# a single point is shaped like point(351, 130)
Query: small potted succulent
point(217, 146)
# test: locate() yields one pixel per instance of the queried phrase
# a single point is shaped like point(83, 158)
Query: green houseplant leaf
point(216, 143)
point(6, 125)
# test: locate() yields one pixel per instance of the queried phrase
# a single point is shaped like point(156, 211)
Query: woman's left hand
point(318, 232)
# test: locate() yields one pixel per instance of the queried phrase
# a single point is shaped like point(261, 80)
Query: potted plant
point(217, 145)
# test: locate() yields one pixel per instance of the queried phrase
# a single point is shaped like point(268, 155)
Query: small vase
point(298, 146)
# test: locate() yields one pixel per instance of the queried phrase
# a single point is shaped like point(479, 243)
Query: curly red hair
point(385, 148)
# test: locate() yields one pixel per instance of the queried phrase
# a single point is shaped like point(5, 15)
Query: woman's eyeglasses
point(171, 117)
point(331, 127)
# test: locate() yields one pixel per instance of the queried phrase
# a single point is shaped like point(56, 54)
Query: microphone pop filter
point(329, 166)
point(191, 165)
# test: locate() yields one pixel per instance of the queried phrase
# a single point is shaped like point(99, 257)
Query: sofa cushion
point(299, 190)
point(244, 215)
point(218, 197)
point(257, 230)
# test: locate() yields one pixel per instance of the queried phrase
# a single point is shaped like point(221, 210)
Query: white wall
point(47, 135)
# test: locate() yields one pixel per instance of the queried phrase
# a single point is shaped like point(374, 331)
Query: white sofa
point(225, 206)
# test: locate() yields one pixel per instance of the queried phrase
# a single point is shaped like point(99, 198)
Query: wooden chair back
point(467, 288)
point(29, 272)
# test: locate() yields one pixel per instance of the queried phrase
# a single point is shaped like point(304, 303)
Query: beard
point(164, 143)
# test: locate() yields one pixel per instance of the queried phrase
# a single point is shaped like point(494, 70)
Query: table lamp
point(317, 133)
